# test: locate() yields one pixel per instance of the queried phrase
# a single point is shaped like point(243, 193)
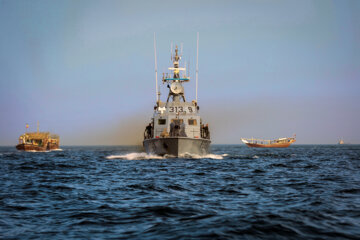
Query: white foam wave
point(135, 156)
point(144, 156)
point(58, 149)
point(196, 156)
point(36, 151)
point(255, 157)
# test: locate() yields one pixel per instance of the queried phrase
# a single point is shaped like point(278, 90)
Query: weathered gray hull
point(176, 146)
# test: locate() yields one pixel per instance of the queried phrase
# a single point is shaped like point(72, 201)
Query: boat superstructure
point(176, 127)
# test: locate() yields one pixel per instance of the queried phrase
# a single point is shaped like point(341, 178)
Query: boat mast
point(38, 126)
point(176, 78)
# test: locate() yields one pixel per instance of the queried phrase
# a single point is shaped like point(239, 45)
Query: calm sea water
point(302, 192)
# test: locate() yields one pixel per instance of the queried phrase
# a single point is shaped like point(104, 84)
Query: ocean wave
point(181, 197)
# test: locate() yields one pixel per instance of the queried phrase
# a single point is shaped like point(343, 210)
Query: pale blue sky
point(268, 68)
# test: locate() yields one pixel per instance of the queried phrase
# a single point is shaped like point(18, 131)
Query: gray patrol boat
point(176, 128)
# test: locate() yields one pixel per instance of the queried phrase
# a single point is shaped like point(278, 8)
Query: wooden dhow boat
point(276, 143)
point(38, 141)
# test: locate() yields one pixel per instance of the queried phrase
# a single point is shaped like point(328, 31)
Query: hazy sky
point(85, 69)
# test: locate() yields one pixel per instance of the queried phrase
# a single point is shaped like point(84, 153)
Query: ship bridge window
point(162, 121)
point(177, 121)
point(192, 122)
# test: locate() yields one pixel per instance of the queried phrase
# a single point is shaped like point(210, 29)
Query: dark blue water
point(302, 192)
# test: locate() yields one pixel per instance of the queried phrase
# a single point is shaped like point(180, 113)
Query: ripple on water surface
point(305, 191)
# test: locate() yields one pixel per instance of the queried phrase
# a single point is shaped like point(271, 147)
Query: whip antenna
point(171, 52)
point(197, 65)
point(188, 69)
point(156, 78)
point(181, 49)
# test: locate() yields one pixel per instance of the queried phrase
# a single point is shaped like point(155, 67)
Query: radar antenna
point(175, 81)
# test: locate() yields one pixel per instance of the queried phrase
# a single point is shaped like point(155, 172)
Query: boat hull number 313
point(180, 109)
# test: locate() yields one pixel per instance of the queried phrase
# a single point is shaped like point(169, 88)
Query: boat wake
point(36, 151)
point(208, 156)
point(135, 156)
point(145, 156)
point(58, 149)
